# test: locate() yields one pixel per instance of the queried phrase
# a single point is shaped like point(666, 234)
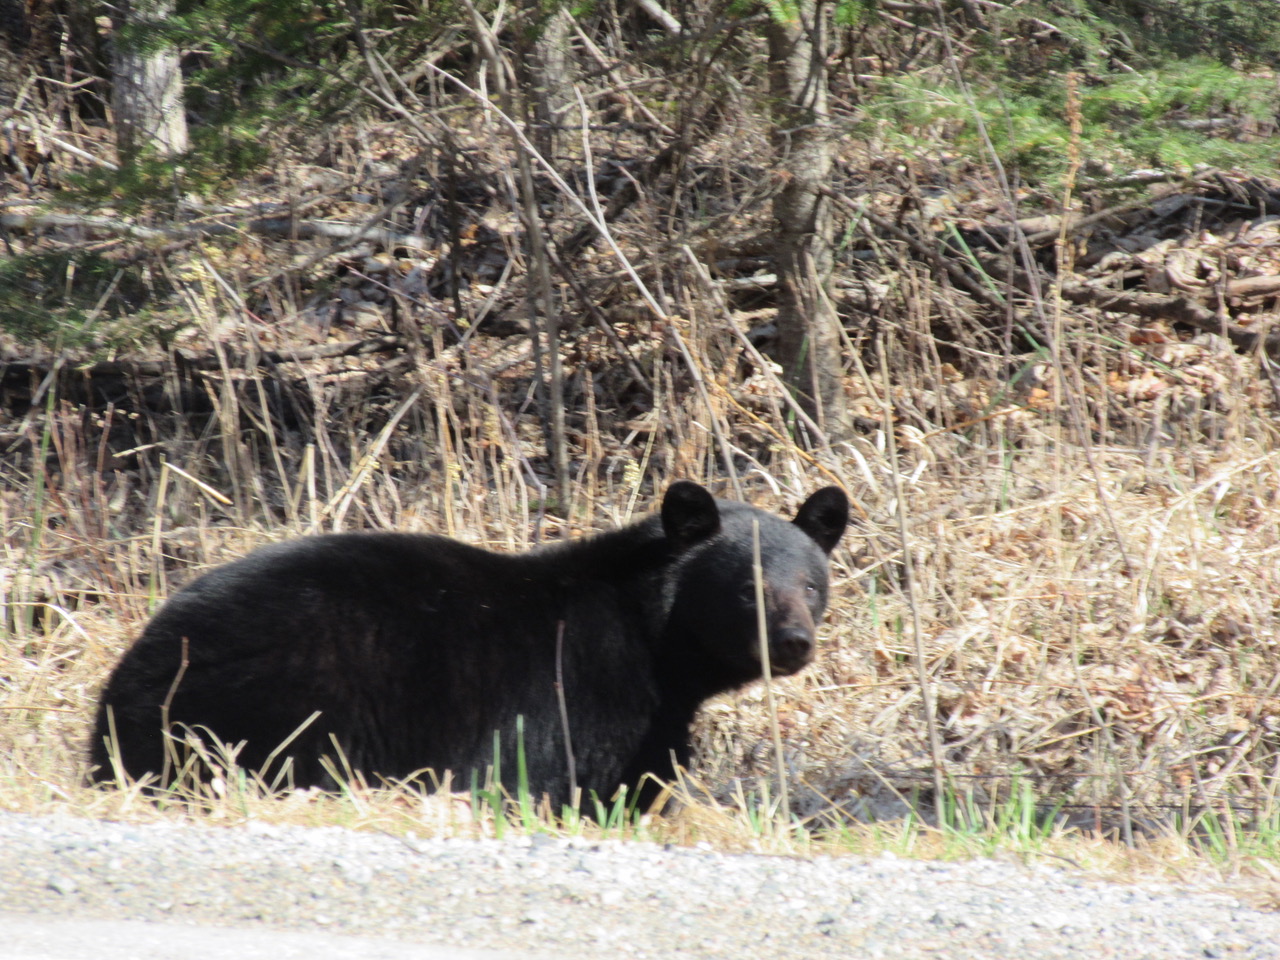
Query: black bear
point(415, 649)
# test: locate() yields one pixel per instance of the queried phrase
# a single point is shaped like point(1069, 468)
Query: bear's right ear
point(689, 514)
point(824, 516)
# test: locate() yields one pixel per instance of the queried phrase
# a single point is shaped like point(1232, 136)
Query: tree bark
point(808, 345)
point(147, 85)
point(539, 292)
point(552, 73)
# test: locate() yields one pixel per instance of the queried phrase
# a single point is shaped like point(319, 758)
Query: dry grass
point(1100, 632)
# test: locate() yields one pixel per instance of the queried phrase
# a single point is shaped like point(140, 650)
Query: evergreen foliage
point(1200, 90)
point(77, 300)
point(259, 72)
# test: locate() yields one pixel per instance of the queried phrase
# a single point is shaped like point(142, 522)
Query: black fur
point(417, 648)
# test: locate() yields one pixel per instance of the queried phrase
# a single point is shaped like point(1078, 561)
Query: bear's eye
point(810, 589)
point(748, 593)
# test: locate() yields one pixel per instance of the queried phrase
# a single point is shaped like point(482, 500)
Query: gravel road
point(546, 897)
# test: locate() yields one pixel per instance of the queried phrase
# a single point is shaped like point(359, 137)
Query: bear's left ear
point(824, 517)
point(689, 514)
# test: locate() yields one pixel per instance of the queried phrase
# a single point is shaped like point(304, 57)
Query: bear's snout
point(792, 649)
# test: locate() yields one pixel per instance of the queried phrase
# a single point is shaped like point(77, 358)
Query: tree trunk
point(539, 291)
point(552, 75)
point(808, 347)
point(550, 99)
point(147, 90)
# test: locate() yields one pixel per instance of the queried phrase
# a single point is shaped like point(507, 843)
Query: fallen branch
point(267, 226)
point(1253, 287)
point(35, 131)
point(207, 361)
point(1154, 306)
point(1047, 229)
point(663, 18)
point(1186, 310)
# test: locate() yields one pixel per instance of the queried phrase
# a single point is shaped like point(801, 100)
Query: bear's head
point(714, 625)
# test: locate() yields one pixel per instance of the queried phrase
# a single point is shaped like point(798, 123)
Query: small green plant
point(490, 797)
point(70, 300)
point(1017, 820)
point(1229, 834)
point(524, 800)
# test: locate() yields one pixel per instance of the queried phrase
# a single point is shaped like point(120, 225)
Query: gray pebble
point(571, 898)
point(63, 885)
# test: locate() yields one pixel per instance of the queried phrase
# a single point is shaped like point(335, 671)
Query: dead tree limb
point(266, 226)
point(1186, 310)
point(207, 361)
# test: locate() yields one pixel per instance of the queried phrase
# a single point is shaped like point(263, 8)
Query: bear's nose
point(793, 647)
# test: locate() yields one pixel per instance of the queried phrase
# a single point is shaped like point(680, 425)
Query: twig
point(908, 578)
point(596, 54)
point(695, 371)
point(958, 275)
point(564, 717)
point(598, 318)
point(61, 144)
point(754, 353)
point(341, 501)
point(766, 671)
point(170, 751)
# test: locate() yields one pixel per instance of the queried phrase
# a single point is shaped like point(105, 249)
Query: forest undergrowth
point(1067, 424)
